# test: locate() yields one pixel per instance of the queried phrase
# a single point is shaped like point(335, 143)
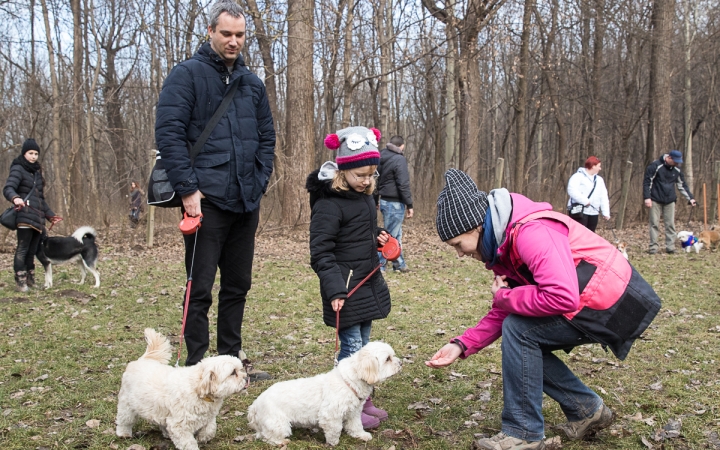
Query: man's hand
point(693, 203)
point(55, 219)
point(337, 304)
point(191, 203)
point(648, 203)
point(409, 213)
point(498, 283)
point(445, 356)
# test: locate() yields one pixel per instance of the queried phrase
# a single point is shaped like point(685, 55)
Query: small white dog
point(689, 242)
point(332, 401)
point(183, 401)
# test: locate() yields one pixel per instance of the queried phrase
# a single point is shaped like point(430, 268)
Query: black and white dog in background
point(80, 247)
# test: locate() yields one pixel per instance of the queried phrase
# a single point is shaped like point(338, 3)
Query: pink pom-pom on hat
point(378, 135)
point(332, 141)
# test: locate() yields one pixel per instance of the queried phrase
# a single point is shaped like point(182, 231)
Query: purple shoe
point(369, 422)
point(372, 410)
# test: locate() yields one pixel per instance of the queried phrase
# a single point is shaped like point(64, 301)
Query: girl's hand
point(383, 238)
point(445, 356)
point(337, 304)
point(55, 219)
point(498, 283)
point(18, 201)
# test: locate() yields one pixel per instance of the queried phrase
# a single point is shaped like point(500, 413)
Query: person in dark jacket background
point(26, 178)
point(395, 195)
point(661, 178)
point(344, 237)
point(135, 203)
point(225, 182)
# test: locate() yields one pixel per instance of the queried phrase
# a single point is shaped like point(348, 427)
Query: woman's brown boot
point(31, 278)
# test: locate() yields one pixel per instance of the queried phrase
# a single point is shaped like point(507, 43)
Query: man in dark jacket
point(661, 178)
point(395, 196)
point(227, 179)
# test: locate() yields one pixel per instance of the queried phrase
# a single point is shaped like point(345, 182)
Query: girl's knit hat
point(460, 206)
point(356, 146)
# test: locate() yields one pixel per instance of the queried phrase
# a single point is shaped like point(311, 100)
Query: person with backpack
point(556, 285)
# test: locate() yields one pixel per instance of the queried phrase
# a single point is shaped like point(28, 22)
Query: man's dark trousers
point(226, 240)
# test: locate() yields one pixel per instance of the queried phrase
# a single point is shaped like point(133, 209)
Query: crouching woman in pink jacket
point(557, 285)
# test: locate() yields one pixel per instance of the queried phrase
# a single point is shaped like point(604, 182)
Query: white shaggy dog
point(183, 401)
point(689, 242)
point(332, 401)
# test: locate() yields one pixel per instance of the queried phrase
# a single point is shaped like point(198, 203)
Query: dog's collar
point(208, 398)
point(351, 388)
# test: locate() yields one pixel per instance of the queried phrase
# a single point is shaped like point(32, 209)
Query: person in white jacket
point(588, 194)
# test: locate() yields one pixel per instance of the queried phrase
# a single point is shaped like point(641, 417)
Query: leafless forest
point(542, 85)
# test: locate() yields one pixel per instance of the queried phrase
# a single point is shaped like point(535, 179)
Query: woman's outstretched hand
point(445, 356)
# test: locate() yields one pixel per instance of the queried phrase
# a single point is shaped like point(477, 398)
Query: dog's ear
point(208, 383)
point(368, 366)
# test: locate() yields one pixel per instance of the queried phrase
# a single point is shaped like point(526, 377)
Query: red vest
point(616, 303)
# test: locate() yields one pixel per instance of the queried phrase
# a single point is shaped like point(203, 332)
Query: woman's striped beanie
point(460, 206)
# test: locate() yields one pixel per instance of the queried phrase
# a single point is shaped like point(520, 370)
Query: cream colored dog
point(710, 238)
point(332, 401)
point(183, 401)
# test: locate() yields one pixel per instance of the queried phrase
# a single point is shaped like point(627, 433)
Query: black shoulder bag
point(579, 208)
point(8, 218)
point(160, 191)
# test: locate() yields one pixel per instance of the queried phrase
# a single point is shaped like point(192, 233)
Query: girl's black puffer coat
point(343, 236)
point(19, 184)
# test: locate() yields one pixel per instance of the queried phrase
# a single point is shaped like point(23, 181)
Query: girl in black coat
point(344, 238)
point(26, 178)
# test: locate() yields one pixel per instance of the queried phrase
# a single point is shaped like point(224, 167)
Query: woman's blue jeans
point(530, 368)
point(353, 338)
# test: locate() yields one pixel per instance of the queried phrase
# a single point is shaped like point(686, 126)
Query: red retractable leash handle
point(390, 251)
point(188, 225)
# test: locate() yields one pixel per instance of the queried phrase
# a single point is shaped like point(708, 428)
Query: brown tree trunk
point(74, 180)
point(55, 145)
point(300, 141)
point(658, 134)
point(521, 103)
point(347, 70)
point(383, 19)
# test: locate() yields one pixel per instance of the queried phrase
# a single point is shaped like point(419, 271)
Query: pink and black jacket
point(555, 266)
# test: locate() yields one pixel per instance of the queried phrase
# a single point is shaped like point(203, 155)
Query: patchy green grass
point(63, 351)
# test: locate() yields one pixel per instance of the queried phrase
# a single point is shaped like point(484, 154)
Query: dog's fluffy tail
point(82, 231)
point(158, 347)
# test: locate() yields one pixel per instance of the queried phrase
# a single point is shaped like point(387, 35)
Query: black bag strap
point(594, 184)
point(31, 190)
point(214, 120)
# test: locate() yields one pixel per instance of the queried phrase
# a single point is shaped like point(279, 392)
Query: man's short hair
point(221, 6)
point(397, 140)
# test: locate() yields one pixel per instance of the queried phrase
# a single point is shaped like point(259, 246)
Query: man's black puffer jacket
point(343, 237)
point(19, 184)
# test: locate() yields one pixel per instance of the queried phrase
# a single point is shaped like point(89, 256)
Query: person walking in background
point(26, 182)
point(557, 286)
point(588, 194)
point(395, 195)
point(135, 203)
point(661, 178)
point(344, 237)
point(225, 182)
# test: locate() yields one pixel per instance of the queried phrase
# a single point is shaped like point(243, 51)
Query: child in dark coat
point(344, 237)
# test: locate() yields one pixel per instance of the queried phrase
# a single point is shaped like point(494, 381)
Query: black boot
point(31, 278)
point(21, 281)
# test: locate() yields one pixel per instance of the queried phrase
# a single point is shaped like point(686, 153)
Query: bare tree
point(299, 139)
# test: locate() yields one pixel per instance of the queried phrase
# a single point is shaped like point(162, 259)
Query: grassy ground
point(63, 351)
